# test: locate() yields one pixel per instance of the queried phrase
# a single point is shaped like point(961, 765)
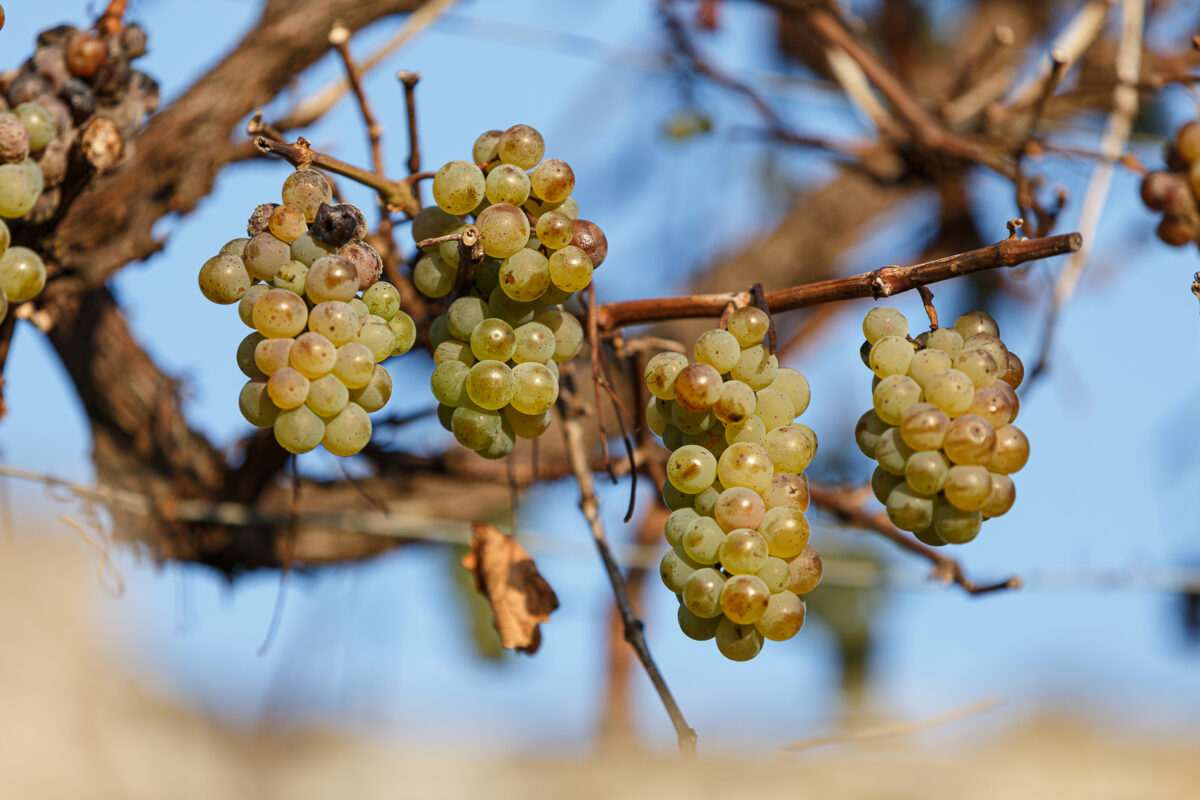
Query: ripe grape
point(307, 189)
point(675, 569)
point(382, 299)
point(475, 429)
point(503, 230)
point(271, 355)
point(298, 430)
point(882, 483)
point(286, 223)
point(968, 486)
point(744, 597)
point(926, 471)
point(533, 342)
point(948, 340)
point(927, 363)
point(805, 570)
point(893, 396)
point(335, 320)
point(955, 526)
point(786, 491)
point(890, 355)
point(745, 464)
point(702, 592)
point(974, 322)
point(1009, 452)
point(795, 386)
point(748, 325)
point(458, 187)
point(490, 385)
point(348, 432)
point(884, 321)
point(773, 408)
point(738, 507)
point(570, 269)
point(738, 642)
point(493, 339)
point(756, 367)
point(255, 404)
point(892, 452)
point(568, 334)
point(589, 238)
point(790, 447)
point(507, 183)
point(527, 426)
point(38, 122)
point(377, 335)
point(554, 230)
point(697, 387)
point(552, 180)
point(484, 149)
point(702, 541)
point(23, 274)
point(775, 574)
point(264, 255)
point(785, 530)
point(525, 276)
point(306, 249)
point(312, 355)
point(950, 390)
point(923, 426)
point(661, 371)
point(1001, 496)
point(783, 618)
point(405, 331)
point(677, 524)
point(245, 353)
point(280, 313)
point(291, 276)
point(751, 430)
point(979, 366)
point(535, 388)
point(521, 145)
point(355, 365)
point(969, 440)
point(909, 509)
point(331, 277)
point(868, 430)
point(327, 396)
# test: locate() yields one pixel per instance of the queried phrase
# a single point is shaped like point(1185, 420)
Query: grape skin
point(223, 278)
point(23, 276)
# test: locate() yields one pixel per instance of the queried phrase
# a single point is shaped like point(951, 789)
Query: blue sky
point(1111, 483)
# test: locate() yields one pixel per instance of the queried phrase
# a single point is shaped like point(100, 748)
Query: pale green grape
point(453, 350)
point(1001, 496)
point(661, 371)
point(756, 367)
point(6, 238)
point(245, 353)
point(493, 339)
point(927, 363)
point(298, 430)
point(744, 551)
point(992, 345)
point(377, 335)
point(736, 402)
point(751, 430)
point(355, 365)
point(783, 618)
point(693, 627)
point(535, 388)
point(697, 387)
point(552, 180)
point(675, 569)
point(677, 523)
point(521, 145)
point(554, 230)
point(279, 313)
point(691, 469)
point(307, 189)
point(791, 447)
point(948, 340)
point(793, 384)
point(490, 385)
point(331, 277)
point(287, 387)
point(968, 486)
point(503, 230)
point(306, 249)
point(891, 355)
point(458, 187)
point(223, 279)
point(882, 483)
point(405, 331)
point(693, 422)
point(525, 276)
point(375, 394)
point(805, 570)
point(969, 440)
point(360, 308)
point(291, 276)
point(464, 314)
point(785, 530)
point(335, 320)
point(702, 540)
point(507, 183)
point(926, 472)
point(702, 592)
point(1010, 451)
point(271, 355)
point(738, 642)
point(739, 507)
point(382, 299)
point(21, 185)
point(675, 499)
point(774, 408)
point(655, 421)
point(534, 342)
point(570, 269)
point(894, 395)
point(348, 432)
point(449, 250)
point(993, 403)
point(568, 334)
point(23, 275)
point(705, 502)
point(312, 355)
point(234, 247)
point(923, 426)
point(264, 255)
point(744, 597)
point(786, 491)
point(748, 325)
point(484, 149)
point(979, 366)
point(930, 537)
point(955, 526)
point(286, 223)
point(891, 451)
point(327, 396)
point(475, 429)
point(433, 277)
point(775, 574)
point(449, 383)
point(883, 321)
point(867, 431)
point(514, 312)
point(974, 322)
point(672, 436)
point(717, 348)
point(527, 426)
point(950, 390)
point(255, 404)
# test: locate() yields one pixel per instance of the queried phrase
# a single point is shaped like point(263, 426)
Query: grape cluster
point(740, 556)
point(75, 100)
point(308, 284)
point(498, 345)
point(941, 427)
point(1174, 190)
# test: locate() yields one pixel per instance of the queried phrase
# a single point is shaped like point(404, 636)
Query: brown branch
point(396, 194)
point(882, 282)
point(847, 508)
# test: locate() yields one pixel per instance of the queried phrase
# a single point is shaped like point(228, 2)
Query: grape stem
point(573, 436)
point(927, 301)
point(880, 283)
point(845, 505)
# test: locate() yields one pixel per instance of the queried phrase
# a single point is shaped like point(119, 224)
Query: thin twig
point(894, 728)
point(930, 311)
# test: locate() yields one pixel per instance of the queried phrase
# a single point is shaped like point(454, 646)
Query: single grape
point(377, 335)
point(744, 598)
point(773, 408)
point(327, 396)
point(1009, 452)
point(748, 325)
point(490, 385)
point(677, 524)
point(535, 388)
point(454, 350)
point(448, 383)
point(991, 345)
point(521, 145)
point(493, 339)
point(702, 540)
point(568, 334)
point(882, 483)
point(953, 525)
point(312, 355)
point(527, 426)
point(691, 468)
point(706, 501)
point(306, 250)
point(552, 180)
point(979, 366)
point(697, 387)
point(923, 426)
point(675, 569)
point(298, 430)
point(554, 230)
point(1015, 371)
point(950, 390)
point(335, 320)
point(23, 275)
point(969, 440)
point(433, 277)
point(291, 276)
point(993, 404)
point(892, 452)
point(405, 332)
point(307, 189)
point(382, 299)
point(503, 230)
point(525, 276)
point(867, 431)
point(1001, 497)
point(927, 363)
point(507, 183)
point(533, 342)
point(271, 355)
point(793, 384)
point(702, 592)
point(260, 219)
point(475, 429)
point(974, 322)
point(38, 123)
point(891, 355)
point(790, 447)
point(756, 367)
point(736, 402)
point(786, 491)
point(287, 388)
point(255, 404)
point(948, 340)
point(355, 365)
point(590, 239)
point(331, 278)
point(967, 486)
point(926, 471)
point(245, 353)
point(751, 430)
point(280, 313)
point(893, 396)
point(738, 507)
point(738, 642)
point(805, 570)
point(908, 509)
point(883, 321)
point(775, 575)
point(336, 225)
point(783, 618)
point(745, 464)
point(286, 223)
point(570, 269)
point(693, 627)
point(348, 432)
point(785, 530)
point(367, 262)
point(661, 372)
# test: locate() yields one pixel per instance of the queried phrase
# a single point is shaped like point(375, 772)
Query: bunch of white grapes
point(499, 342)
point(309, 286)
point(24, 132)
point(740, 556)
point(941, 427)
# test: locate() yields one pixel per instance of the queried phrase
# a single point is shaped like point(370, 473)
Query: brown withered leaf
point(506, 575)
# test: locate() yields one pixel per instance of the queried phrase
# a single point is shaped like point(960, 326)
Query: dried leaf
point(506, 575)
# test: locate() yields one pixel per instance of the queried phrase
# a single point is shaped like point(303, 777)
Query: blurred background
point(1085, 680)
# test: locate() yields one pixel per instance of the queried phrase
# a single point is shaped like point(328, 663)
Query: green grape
point(21, 185)
point(968, 486)
point(432, 222)
point(702, 541)
point(521, 145)
point(867, 431)
point(882, 483)
point(487, 275)
point(744, 551)
point(927, 363)
point(979, 366)
point(1013, 374)
point(756, 367)
point(554, 297)
point(433, 277)
point(993, 404)
point(375, 394)
point(790, 447)
point(507, 183)
point(348, 432)
point(717, 348)
point(515, 313)
point(306, 250)
point(280, 313)
point(805, 570)
point(693, 627)
point(377, 335)
point(327, 396)
point(533, 342)
point(493, 339)
point(892, 452)
point(449, 383)
point(458, 187)
point(675, 569)
point(950, 390)
point(312, 355)
point(969, 440)
point(568, 334)
point(893, 396)
point(570, 269)
point(234, 247)
point(288, 388)
point(449, 250)
point(774, 408)
point(955, 526)
point(255, 404)
point(490, 385)
point(693, 422)
point(307, 189)
point(748, 325)
point(331, 278)
point(785, 530)
point(264, 255)
point(464, 314)
point(923, 426)
point(691, 469)
point(527, 426)
point(736, 402)
point(335, 320)
point(23, 275)
point(245, 353)
point(926, 472)
point(677, 524)
point(661, 371)
point(475, 429)
point(525, 276)
point(697, 387)
point(271, 355)
point(702, 592)
point(947, 340)
point(775, 575)
point(751, 430)
point(675, 499)
point(992, 346)
point(929, 537)
point(795, 386)
point(783, 618)
point(739, 507)
point(705, 502)
point(1010, 451)
point(503, 230)
point(786, 491)
point(655, 421)
point(672, 437)
point(291, 276)
point(738, 642)
point(223, 279)
point(382, 299)
point(6, 238)
point(535, 388)
point(891, 355)
point(484, 149)
point(744, 597)
point(355, 365)
point(445, 416)
point(405, 331)
point(1001, 496)
point(286, 223)
point(298, 430)
point(453, 350)
point(552, 180)
point(554, 230)
point(883, 321)
point(974, 322)
point(360, 308)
